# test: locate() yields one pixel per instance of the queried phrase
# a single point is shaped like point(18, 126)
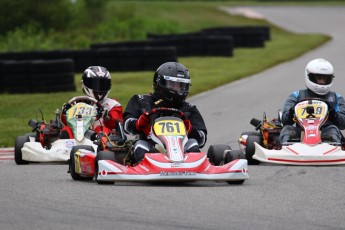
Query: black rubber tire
point(52, 66)
point(48, 79)
point(215, 153)
point(103, 155)
point(18, 145)
point(233, 155)
point(54, 88)
point(236, 182)
point(74, 175)
point(251, 133)
point(250, 148)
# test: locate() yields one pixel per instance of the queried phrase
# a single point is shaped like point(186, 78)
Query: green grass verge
point(206, 72)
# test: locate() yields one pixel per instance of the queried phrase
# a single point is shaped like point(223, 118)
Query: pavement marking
point(6, 154)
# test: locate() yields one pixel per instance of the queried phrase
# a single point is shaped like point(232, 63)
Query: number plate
point(82, 109)
point(169, 128)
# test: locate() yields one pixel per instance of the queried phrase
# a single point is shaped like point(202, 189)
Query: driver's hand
point(65, 107)
point(332, 115)
point(188, 126)
point(291, 112)
point(143, 123)
point(103, 113)
point(100, 112)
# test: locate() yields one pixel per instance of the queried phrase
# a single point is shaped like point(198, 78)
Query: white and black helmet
point(96, 82)
point(319, 68)
point(171, 82)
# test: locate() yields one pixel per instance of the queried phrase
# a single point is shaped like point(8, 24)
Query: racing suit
point(330, 131)
point(145, 103)
point(104, 124)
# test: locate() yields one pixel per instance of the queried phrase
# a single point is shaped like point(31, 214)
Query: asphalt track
point(43, 196)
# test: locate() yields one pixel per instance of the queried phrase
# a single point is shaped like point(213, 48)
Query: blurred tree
point(46, 14)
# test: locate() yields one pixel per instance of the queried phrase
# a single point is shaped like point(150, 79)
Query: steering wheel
point(315, 98)
point(85, 99)
point(170, 111)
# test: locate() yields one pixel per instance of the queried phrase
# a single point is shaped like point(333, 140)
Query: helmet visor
point(180, 85)
point(98, 84)
point(321, 79)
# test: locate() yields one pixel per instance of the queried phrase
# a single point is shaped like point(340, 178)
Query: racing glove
point(188, 125)
point(103, 113)
point(65, 107)
point(143, 123)
point(332, 115)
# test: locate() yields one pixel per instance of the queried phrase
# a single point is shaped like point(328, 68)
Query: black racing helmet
point(96, 82)
point(171, 83)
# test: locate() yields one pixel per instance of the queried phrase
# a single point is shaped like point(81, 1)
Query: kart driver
point(96, 83)
point(319, 75)
point(171, 82)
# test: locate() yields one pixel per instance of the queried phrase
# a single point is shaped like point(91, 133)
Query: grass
point(206, 72)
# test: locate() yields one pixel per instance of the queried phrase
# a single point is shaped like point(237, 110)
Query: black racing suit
point(329, 131)
point(145, 103)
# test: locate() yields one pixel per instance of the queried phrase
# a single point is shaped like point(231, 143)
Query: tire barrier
point(16, 76)
point(185, 45)
point(134, 58)
point(155, 56)
point(246, 36)
point(52, 75)
point(113, 58)
point(2, 82)
point(131, 55)
point(38, 76)
point(243, 36)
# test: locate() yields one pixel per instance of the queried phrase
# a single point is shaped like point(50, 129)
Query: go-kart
point(45, 146)
point(171, 162)
point(266, 134)
point(309, 149)
point(82, 157)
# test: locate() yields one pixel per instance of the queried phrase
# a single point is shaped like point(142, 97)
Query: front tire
point(19, 143)
point(215, 153)
point(103, 155)
point(250, 149)
point(234, 155)
point(74, 175)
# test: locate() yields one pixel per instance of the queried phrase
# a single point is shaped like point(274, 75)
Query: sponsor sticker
point(177, 173)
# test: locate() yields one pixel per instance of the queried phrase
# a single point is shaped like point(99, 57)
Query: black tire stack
point(52, 76)
point(16, 77)
point(185, 45)
point(38, 76)
point(244, 36)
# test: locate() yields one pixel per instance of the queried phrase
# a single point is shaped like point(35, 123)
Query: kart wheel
point(74, 175)
point(103, 155)
point(250, 149)
point(236, 182)
point(30, 134)
point(251, 133)
point(233, 155)
point(215, 153)
point(19, 143)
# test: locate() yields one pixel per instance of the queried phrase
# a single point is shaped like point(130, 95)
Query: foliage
point(46, 14)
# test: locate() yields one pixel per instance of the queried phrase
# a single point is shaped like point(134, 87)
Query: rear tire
point(103, 155)
point(74, 175)
point(19, 143)
point(250, 149)
point(215, 153)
